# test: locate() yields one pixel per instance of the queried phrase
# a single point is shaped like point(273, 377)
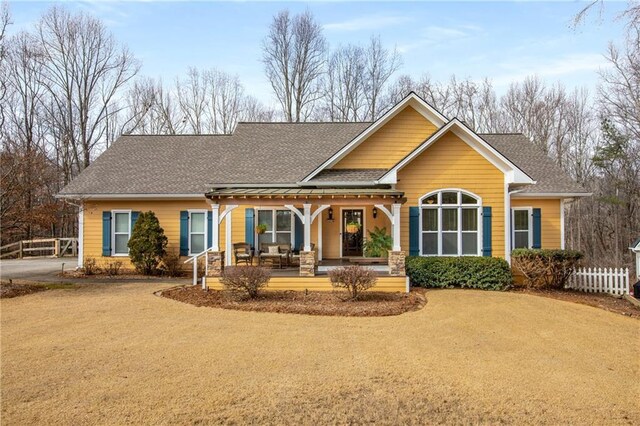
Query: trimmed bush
point(354, 279)
point(546, 268)
point(171, 265)
point(487, 273)
point(147, 244)
point(245, 279)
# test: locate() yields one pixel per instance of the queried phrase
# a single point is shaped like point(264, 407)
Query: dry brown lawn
point(117, 354)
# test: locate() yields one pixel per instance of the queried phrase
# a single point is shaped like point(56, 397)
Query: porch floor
point(323, 268)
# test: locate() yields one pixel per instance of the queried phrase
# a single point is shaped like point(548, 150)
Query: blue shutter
point(486, 231)
point(537, 229)
point(134, 218)
point(210, 228)
point(249, 227)
point(184, 233)
point(106, 233)
point(298, 238)
point(414, 231)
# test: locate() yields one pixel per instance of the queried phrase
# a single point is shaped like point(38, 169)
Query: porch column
point(215, 227)
point(396, 226)
point(307, 227)
point(81, 236)
point(227, 237)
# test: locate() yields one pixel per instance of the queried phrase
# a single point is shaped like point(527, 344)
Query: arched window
point(450, 223)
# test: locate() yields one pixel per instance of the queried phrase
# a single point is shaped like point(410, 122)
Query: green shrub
point(545, 268)
point(487, 273)
point(147, 244)
point(378, 244)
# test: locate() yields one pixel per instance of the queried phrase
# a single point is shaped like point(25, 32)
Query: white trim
point(562, 242)
point(551, 194)
point(206, 233)
point(319, 210)
point(364, 224)
point(228, 237)
point(227, 211)
point(295, 210)
point(502, 163)
point(507, 222)
point(459, 206)
point(529, 211)
point(320, 239)
point(113, 232)
point(130, 196)
point(273, 209)
point(81, 236)
point(412, 100)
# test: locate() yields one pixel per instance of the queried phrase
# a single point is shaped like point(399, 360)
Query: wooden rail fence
point(601, 280)
point(52, 247)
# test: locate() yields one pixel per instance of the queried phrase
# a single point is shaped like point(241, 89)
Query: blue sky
point(504, 41)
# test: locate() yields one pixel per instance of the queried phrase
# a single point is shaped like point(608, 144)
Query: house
point(635, 247)
point(439, 188)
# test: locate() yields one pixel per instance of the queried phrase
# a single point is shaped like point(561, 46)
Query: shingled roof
point(278, 154)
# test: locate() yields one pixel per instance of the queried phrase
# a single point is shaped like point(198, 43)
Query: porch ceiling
point(306, 195)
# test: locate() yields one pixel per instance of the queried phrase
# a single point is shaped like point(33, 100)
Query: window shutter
point(106, 233)
point(249, 227)
point(537, 229)
point(298, 238)
point(134, 218)
point(184, 233)
point(414, 231)
point(210, 228)
point(486, 231)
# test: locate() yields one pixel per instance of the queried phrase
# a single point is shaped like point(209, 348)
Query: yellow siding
point(319, 283)
point(391, 143)
point(451, 163)
point(550, 219)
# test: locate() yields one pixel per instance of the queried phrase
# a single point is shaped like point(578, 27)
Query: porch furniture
point(275, 254)
point(294, 259)
point(243, 253)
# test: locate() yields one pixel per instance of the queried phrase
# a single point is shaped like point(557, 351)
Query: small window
point(121, 232)
point(522, 228)
point(197, 232)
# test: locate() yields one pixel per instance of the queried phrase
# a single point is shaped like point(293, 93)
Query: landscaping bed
point(598, 300)
point(370, 304)
point(9, 289)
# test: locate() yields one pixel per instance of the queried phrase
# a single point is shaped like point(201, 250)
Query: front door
point(352, 232)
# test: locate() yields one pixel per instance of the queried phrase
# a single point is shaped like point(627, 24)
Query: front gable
point(391, 142)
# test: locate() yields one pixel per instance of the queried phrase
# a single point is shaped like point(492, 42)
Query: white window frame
point(113, 232)
point(206, 228)
point(439, 206)
point(273, 219)
point(529, 211)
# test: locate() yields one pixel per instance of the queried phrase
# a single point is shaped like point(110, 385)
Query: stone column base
point(215, 263)
point(396, 263)
point(307, 263)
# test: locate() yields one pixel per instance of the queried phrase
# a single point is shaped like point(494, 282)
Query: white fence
point(601, 280)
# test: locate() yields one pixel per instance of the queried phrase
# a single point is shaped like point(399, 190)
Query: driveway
point(115, 353)
point(42, 268)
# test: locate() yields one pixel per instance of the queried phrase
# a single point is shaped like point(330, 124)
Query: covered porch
point(318, 228)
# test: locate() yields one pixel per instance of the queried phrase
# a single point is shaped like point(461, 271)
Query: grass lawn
point(118, 354)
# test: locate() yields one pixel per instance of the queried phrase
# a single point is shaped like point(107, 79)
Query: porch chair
point(273, 253)
point(243, 253)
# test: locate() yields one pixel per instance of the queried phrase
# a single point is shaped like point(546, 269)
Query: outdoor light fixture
point(375, 212)
point(330, 214)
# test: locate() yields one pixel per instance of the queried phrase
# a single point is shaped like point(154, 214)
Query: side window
point(197, 232)
point(121, 232)
point(522, 228)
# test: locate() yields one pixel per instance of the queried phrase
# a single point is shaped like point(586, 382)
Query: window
point(522, 236)
point(450, 224)
point(197, 231)
point(281, 232)
point(121, 220)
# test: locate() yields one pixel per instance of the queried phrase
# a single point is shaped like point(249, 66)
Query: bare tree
point(254, 110)
point(344, 94)
point(5, 21)
point(381, 64)
point(224, 101)
point(192, 98)
point(294, 58)
point(84, 70)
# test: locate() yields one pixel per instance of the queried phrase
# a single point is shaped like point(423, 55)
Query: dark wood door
point(352, 232)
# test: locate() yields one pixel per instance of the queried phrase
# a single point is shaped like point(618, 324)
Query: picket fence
point(601, 280)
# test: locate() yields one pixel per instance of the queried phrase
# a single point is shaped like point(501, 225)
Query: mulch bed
point(597, 300)
point(10, 289)
point(371, 304)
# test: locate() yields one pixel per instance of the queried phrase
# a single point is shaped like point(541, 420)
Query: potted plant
point(353, 227)
point(378, 244)
point(261, 228)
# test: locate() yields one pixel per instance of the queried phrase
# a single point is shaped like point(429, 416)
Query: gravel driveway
point(117, 354)
point(43, 268)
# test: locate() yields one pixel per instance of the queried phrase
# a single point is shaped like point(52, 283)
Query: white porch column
point(307, 227)
point(227, 237)
point(320, 239)
point(81, 235)
point(215, 227)
point(396, 226)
